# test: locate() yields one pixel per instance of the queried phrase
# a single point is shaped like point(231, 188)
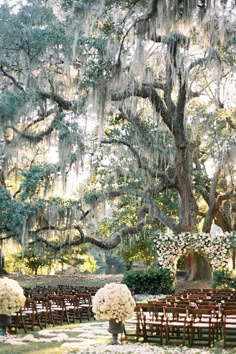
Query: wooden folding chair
point(44, 310)
point(133, 328)
point(216, 317)
point(30, 314)
point(202, 327)
point(154, 324)
point(177, 325)
point(85, 305)
point(73, 308)
point(58, 309)
point(17, 322)
point(229, 327)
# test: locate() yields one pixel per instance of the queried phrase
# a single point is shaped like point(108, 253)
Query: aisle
point(93, 338)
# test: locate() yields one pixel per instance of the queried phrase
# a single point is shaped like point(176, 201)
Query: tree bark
point(197, 267)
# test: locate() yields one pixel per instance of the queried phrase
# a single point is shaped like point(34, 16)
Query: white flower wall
point(216, 248)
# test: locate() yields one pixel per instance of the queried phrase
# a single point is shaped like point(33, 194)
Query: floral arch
point(215, 246)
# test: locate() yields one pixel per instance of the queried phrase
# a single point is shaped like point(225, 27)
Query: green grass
point(75, 280)
point(32, 348)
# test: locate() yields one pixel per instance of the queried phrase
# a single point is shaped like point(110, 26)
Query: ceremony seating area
point(53, 306)
point(194, 318)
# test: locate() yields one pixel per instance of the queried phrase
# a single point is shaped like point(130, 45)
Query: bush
point(223, 278)
point(150, 282)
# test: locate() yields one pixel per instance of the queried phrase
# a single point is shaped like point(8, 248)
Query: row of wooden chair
point(41, 311)
point(174, 325)
point(60, 290)
point(195, 319)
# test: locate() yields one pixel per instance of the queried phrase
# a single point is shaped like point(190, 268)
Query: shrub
point(158, 281)
point(223, 278)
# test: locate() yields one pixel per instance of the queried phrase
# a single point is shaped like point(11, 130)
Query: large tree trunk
point(197, 267)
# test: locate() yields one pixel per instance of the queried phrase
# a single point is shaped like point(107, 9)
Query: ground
point(182, 284)
point(96, 280)
point(89, 337)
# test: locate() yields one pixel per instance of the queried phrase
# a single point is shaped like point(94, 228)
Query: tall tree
point(153, 108)
point(154, 88)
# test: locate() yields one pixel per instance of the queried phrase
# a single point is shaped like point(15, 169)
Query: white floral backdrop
point(216, 247)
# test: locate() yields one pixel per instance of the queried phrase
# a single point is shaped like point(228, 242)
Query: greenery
point(40, 260)
point(96, 124)
point(224, 278)
point(159, 281)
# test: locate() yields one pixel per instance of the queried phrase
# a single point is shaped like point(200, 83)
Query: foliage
point(10, 104)
point(89, 264)
point(37, 178)
point(77, 259)
point(160, 121)
point(160, 281)
point(16, 264)
point(224, 278)
point(140, 249)
point(37, 258)
point(14, 213)
point(33, 261)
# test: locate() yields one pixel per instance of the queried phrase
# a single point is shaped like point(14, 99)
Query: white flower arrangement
point(113, 301)
point(216, 247)
point(11, 296)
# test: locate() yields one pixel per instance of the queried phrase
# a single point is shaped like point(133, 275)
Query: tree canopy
point(136, 93)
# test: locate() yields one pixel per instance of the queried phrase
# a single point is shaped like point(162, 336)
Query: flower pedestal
point(115, 303)
point(115, 328)
point(5, 321)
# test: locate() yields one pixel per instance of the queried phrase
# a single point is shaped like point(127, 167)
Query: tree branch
point(143, 131)
point(213, 207)
point(16, 84)
point(62, 103)
point(40, 136)
point(145, 91)
point(163, 218)
point(224, 197)
point(141, 164)
point(109, 244)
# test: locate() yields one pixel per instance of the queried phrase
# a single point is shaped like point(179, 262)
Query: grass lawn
point(74, 280)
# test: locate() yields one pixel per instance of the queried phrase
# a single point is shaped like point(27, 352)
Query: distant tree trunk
point(233, 258)
point(1, 261)
point(197, 267)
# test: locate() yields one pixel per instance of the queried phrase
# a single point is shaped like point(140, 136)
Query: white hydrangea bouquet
point(11, 296)
point(113, 301)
